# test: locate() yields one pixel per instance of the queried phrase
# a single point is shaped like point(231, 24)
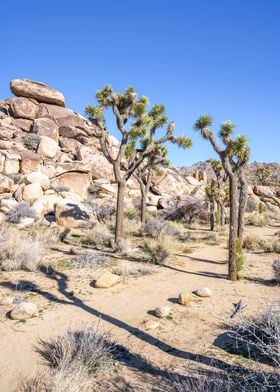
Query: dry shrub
point(87, 348)
point(257, 219)
point(276, 270)
point(89, 260)
point(19, 250)
point(228, 379)
point(201, 384)
point(103, 212)
point(154, 227)
point(211, 239)
point(76, 361)
point(269, 246)
point(251, 242)
point(19, 211)
point(132, 227)
point(260, 337)
point(156, 252)
point(254, 243)
point(72, 379)
point(126, 268)
point(99, 237)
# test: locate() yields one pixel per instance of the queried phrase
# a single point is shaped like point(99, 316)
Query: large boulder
point(100, 167)
point(53, 111)
point(30, 161)
point(39, 178)
point(11, 165)
point(23, 124)
point(70, 121)
point(47, 147)
point(45, 205)
point(69, 145)
point(71, 214)
point(7, 128)
point(32, 192)
point(76, 182)
point(6, 184)
point(37, 90)
point(46, 127)
point(171, 183)
point(24, 108)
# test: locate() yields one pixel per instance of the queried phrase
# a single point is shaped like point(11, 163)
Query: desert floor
point(190, 336)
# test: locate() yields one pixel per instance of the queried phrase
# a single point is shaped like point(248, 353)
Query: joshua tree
point(212, 193)
point(234, 156)
point(144, 173)
point(263, 174)
point(222, 194)
point(136, 124)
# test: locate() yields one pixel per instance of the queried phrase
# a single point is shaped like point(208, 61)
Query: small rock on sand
point(162, 311)
point(203, 292)
point(107, 280)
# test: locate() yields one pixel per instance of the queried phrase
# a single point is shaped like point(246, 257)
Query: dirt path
point(124, 308)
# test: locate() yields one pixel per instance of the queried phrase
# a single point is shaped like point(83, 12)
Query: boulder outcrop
point(50, 157)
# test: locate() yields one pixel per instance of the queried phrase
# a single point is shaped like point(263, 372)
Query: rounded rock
point(204, 292)
point(23, 311)
point(184, 298)
point(162, 311)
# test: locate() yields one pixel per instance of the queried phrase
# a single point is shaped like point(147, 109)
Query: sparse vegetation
point(87, 347)
point(31, 141)
point(156, 252)
point(20, 211)
point(260, 337)
point(76, 359)
point(276, 270)
point(131, 213)
point(154, 227)
point(100, 237)
point(19, 251)
point(89, 260)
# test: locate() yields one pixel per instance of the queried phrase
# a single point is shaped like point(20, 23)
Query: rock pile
point(50, 157)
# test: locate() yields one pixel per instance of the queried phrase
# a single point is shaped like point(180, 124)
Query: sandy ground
point(67, 298)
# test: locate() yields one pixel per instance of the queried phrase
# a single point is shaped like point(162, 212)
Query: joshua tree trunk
point(243, 197)
point(143, 203)
point(212, 215)
point(120, 212)
point(222, 214)
point(233, 227)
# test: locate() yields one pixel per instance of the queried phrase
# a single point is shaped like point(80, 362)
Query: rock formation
point(50, 157)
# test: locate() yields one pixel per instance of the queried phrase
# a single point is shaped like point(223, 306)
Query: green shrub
point(131, 213)
point(31, 141)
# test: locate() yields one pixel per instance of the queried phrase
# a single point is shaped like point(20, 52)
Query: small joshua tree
point(136, 125)
point(212, 194)
point(143, 174)
point(234, 156)
point(263, 174)
point(222, 192)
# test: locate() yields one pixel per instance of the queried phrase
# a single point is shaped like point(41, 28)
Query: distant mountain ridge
point(205, 166)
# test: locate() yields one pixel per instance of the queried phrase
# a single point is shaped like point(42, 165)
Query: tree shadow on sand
point(123, 355)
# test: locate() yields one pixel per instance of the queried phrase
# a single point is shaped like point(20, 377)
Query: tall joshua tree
point(136, 124)
point(233, 155)
point(144, 173)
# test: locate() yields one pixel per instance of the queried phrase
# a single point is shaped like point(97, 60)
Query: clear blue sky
point(194, 56)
